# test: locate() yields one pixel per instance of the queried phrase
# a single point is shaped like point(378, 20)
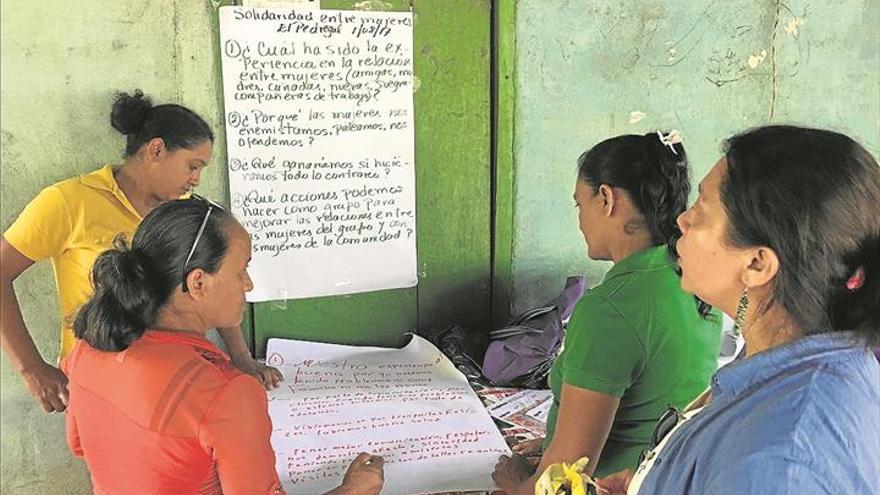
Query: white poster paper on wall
point(306, 4)
point(319, 123)
point(409, 405)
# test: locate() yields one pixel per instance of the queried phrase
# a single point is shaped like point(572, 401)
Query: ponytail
point(124, 303)
point(135, 117)
point(653, 170)
point(129, 112)
point(854, 302)
point(133, 283)
point(663, 192)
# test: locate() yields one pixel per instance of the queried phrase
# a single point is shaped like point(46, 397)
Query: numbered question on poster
point(319, 121)
point(410, 405)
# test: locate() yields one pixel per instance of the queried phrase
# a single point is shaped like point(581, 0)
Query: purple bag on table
point(522, 353)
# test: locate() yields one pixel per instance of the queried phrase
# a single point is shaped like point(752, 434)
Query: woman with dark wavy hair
point(636, 343)
point(785, 237)
point(154, 406)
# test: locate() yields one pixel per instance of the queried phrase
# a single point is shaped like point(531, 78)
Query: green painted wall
point(583, 66)
point(61, 62)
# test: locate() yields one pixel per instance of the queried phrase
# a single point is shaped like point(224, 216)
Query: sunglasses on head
point(211, 205)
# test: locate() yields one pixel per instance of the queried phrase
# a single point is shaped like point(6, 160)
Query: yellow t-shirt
point(72, 222)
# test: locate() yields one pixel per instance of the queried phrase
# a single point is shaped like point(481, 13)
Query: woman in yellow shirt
point(71, 222)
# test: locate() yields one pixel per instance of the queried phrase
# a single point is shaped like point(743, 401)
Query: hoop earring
point(741, 310)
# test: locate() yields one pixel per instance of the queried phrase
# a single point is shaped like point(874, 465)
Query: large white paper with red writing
point(409, 405)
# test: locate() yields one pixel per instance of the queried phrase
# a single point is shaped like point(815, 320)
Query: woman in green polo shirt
point(636, 344)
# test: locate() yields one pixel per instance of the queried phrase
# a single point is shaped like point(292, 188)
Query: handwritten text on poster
point(319, 121)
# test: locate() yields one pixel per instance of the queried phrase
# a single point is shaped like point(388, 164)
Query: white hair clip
point(670, 139)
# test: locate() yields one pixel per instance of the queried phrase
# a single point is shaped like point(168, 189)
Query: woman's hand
point(48, 385)
point(241, 358)
point(45, 382)
point(511, 471)
point(528, 447)
point(615, 484)
point(365, 475)
point(267, 375)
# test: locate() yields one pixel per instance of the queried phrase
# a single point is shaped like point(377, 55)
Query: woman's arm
point(235, 432)
point(45, 382)
point(241, 358)
point(365, 476)
point(582, 426)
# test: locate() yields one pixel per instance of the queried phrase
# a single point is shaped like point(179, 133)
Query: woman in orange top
point(155, 407)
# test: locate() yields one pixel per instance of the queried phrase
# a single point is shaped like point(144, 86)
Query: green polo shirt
point(639, 337)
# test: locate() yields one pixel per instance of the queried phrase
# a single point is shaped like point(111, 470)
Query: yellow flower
point(564, 479)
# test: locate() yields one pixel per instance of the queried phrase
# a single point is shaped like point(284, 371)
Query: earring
point(743, 307)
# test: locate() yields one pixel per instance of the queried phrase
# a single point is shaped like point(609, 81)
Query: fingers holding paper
point(529, 447)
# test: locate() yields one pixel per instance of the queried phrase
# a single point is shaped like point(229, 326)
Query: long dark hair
point(813, 196)
point(139, 121)
point(132, 283)
point(655, 177)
